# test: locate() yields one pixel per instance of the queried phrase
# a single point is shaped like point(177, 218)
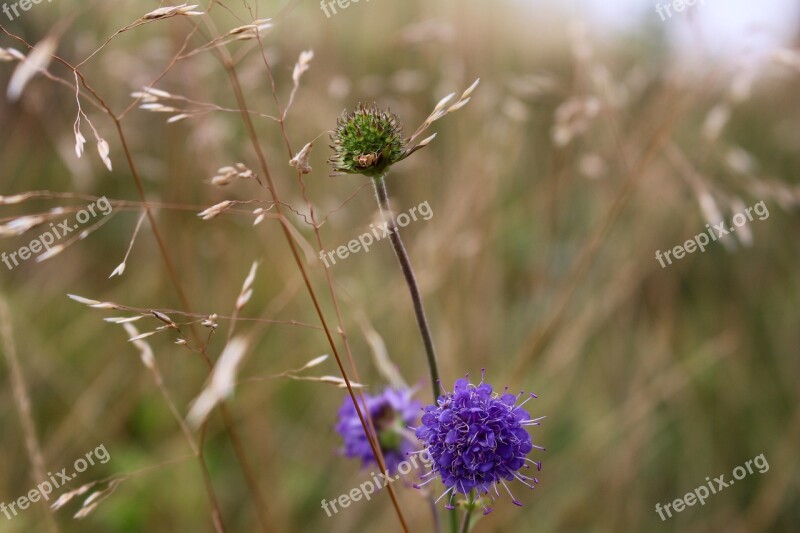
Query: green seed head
point(367, 141)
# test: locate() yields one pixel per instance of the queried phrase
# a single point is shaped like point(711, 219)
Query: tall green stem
point(467, 520)
point(470, 506)
point(382, 195)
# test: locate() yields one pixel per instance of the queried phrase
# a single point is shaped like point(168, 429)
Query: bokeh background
point(598, 135)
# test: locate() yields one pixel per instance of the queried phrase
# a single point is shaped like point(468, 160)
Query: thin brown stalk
point(238, 93)
point(22, 402)
point(370, 431)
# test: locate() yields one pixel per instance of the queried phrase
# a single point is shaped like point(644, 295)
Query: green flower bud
point(368, 141)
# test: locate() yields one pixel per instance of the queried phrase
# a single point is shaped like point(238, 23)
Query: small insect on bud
point(367, 160)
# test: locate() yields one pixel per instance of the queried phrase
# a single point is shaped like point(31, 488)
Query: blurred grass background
point(538, 264)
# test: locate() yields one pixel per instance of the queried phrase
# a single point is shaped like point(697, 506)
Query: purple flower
point(392, 412)
point(477, 440)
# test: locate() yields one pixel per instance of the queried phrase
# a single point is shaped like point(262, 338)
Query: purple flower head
point(477, 440)
point(392, 412)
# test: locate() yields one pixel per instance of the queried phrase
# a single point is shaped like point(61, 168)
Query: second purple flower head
point(392, 412)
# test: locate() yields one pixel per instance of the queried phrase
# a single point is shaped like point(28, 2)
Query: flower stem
point(382, 195)
point(470, 505)
point(467, 520)
point(453, 521)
